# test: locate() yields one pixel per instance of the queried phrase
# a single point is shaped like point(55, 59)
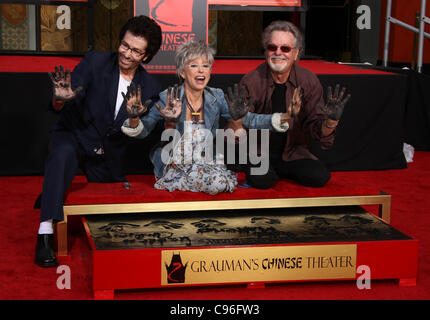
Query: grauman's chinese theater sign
point(265, 264)
point(180, 21)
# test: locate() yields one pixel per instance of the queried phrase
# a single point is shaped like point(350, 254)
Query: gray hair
point(191, 50)
point(282, 26)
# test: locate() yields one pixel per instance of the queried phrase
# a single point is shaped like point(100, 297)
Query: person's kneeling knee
point(262, 181)
point(317, 181)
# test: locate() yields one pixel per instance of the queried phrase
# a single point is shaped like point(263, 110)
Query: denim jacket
point(215, 106)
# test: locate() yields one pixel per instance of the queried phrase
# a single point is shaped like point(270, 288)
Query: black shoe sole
point(46, 264)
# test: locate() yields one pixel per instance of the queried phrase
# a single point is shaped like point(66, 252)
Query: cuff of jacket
point(276, 123)
point(131, 132)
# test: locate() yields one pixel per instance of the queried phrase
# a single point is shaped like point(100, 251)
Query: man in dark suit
point(88, 134)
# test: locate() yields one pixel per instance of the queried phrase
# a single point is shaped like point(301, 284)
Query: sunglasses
point(272, 47)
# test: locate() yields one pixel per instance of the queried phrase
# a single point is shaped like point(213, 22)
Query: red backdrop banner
point(180, 21)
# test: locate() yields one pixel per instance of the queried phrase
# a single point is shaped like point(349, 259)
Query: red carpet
point(21, 279)
point(142, 190)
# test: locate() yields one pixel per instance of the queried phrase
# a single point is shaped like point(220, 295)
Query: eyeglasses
point(134, 52)
point(285, 49)
point(195, 66)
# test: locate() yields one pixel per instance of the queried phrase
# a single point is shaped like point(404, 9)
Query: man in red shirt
point(280, 84)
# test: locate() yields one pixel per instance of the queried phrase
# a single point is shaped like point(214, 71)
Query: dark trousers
point(307, 172)
point(64, 158)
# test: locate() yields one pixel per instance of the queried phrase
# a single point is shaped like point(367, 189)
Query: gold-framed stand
point(382, 200)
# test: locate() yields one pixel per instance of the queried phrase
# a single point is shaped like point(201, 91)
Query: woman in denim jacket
point(192, 112)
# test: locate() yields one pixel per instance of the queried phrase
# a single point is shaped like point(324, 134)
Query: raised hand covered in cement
point(173, 109)
point(135, 108)
point(296, 103)
point(237, 105)
point(294, 107)
point(62, 83)
point(335, 105)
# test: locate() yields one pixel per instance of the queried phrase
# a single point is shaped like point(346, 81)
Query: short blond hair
point(191, 50)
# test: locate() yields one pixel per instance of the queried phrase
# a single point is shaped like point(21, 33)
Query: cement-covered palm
point(173, 109)
point(296, 103)
point(237, 105)
point(335, 105)
point(135, 108)
point(62, 84)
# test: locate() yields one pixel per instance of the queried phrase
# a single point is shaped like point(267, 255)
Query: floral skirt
point(211, 179)
point(204, 176)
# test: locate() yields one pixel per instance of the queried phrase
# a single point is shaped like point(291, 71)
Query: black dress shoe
point(45, 256)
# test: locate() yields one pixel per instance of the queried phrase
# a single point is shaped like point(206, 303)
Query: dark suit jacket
point(90, 116)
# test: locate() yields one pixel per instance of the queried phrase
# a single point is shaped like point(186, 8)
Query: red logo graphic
point(172, 15)
point(176, 269)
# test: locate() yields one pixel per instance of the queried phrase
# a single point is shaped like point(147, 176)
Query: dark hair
point(143, 26)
